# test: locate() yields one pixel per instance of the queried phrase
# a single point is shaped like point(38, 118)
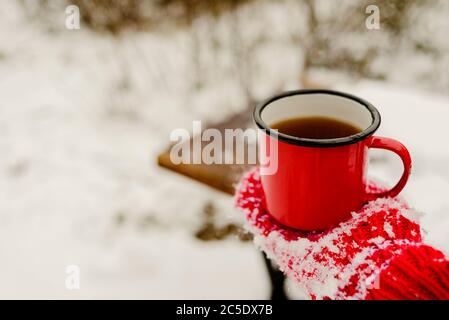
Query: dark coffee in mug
point(316, 128)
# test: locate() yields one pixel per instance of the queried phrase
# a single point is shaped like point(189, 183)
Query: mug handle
point(398, 148)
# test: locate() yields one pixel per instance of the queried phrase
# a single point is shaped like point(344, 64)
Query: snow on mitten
point(341, 263)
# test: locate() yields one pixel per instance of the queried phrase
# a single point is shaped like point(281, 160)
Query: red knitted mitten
point(344, 262)
point(419, 272)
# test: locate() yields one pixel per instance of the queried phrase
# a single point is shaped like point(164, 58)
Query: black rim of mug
point(375, 123)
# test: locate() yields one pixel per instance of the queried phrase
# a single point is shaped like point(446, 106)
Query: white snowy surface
point(78, 150)
point(82, 118)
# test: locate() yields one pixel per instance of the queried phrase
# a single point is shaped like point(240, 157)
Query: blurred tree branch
point(325, 32)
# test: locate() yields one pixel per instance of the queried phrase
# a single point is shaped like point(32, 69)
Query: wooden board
point(225, 177)
point(222, 177)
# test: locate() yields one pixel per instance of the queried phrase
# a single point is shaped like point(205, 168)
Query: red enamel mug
point(317, 183)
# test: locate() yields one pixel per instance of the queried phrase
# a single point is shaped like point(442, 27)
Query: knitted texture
point(418, 272)
point(344, 262)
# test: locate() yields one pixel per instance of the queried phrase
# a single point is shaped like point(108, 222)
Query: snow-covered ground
point(82, 118)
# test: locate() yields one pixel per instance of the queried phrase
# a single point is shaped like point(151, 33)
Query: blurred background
point(85, 112)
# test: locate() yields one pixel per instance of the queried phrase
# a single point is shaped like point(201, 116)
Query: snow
point(79, 151)
point(82, 118)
